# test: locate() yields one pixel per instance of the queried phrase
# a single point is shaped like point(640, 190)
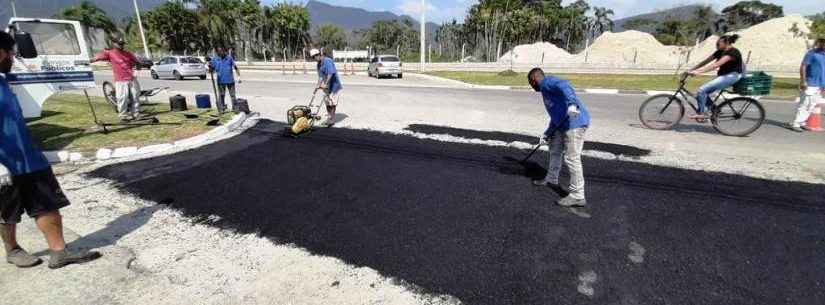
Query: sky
point(445, 10)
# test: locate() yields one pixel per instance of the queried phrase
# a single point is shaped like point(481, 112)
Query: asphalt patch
point(444, 218)
point(507, 137)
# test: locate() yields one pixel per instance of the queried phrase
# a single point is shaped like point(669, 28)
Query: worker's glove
point(542, 140)
point(5, 176)
point(239, 80)
point(573, 111)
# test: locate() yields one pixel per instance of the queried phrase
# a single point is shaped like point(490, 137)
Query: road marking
point(602, 91)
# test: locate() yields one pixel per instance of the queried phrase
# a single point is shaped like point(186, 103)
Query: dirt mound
point(628, 47)
point(535, 53)
point(780, 41)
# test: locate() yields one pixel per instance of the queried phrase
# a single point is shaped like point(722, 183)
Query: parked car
point(143, 62)
point(179, 67)
point(385, 65)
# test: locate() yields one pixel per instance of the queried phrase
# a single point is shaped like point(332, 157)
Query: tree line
point(491, 27)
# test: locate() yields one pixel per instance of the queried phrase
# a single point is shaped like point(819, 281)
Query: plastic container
point(756, 83)
point(177, 103)
point(203, 101)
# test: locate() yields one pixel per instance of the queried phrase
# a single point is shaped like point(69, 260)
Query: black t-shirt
point(734, 65)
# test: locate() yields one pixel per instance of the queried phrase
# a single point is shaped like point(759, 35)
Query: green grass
point(782, 87)
point(67, 124)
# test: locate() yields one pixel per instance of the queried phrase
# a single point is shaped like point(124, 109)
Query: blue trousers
point(719, 83)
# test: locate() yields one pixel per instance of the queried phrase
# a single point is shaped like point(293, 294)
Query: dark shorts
point(35, 193)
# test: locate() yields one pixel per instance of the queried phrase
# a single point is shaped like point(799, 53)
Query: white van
point(62, 62)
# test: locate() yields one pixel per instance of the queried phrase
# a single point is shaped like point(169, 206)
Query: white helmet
point(314, 52)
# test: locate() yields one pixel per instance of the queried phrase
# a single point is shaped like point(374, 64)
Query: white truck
point(61, 62)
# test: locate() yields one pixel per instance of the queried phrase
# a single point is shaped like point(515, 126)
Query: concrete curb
point(56, 157)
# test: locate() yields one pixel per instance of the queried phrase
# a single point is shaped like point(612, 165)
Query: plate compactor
point(301, 118)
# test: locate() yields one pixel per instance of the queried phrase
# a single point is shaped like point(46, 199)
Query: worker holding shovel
point(222, 65)
point(569, 120)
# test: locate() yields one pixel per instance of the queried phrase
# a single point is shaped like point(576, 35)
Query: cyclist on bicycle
point(729, 62)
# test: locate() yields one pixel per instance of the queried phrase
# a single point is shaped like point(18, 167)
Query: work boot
point(571, 202)
point(60, 259)
point(21, 258)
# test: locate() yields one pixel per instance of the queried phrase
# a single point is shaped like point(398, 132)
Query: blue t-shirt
point(17, 150)
point(558, 94)
point(815, 68)
point(327, 67)
point(223, 67)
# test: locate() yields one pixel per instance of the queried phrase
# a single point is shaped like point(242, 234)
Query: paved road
point(464, 220)
point(461, 219)
point(414, 99)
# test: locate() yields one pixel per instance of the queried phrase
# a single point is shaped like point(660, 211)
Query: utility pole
point(142, 34)
point(13, 9)
point(423, 33)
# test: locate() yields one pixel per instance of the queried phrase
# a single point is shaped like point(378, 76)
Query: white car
point(179, 67)
point(385, 65)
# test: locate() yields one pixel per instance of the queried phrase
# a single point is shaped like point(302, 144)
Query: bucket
point(202, 101)
point(177, 103)
point(241, 105)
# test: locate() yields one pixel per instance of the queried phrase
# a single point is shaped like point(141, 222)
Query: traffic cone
point(814, 122)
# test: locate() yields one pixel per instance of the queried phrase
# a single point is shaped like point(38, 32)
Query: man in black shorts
point(27, 183)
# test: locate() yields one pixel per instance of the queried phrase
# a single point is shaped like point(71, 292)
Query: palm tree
point(705, 21)
point(602, 21)
point(90, 16)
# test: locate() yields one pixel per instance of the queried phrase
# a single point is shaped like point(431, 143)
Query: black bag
point(177, 103)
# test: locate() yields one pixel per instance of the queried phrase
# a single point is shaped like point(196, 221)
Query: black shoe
point(60, 259)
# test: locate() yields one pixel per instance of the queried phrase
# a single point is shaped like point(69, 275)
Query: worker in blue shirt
point(27, 183)
point(222, 65)
point(329, 82)
point(569, 120)
point(811, 85)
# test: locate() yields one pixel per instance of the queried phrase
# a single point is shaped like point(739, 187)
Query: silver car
point(385, 65)
point(179, 67)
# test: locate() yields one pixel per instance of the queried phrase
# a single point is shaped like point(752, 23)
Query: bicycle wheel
point(662, 111)
point(738, 117)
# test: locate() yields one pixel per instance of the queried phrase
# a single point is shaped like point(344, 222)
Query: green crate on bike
point(754, 83)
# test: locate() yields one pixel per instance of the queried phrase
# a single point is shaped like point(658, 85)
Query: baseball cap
point(314, 52)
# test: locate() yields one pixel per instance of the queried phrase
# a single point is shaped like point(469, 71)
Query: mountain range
point(351, 18)
point(681, 13)
point(116, 9)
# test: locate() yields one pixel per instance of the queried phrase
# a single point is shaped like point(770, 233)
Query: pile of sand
point(535, 53)
point(776, 42)
point(773, 42)
point(628, 47)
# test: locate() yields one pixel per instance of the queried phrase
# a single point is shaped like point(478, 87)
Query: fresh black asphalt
point(463, 220)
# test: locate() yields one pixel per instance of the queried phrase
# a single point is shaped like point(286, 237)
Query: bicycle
point(663, 111)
